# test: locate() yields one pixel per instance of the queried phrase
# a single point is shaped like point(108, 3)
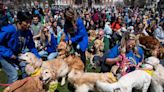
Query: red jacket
point(115, 26)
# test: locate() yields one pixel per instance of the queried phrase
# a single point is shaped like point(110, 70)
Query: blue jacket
point(81, 35)
point(51, 47)
point(29, 42)
point(114, 52)
point(9, 41)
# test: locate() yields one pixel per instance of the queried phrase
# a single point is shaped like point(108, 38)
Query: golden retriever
point(85, 82)
point(73, 61)
point(98, 48)
point(63, 50)
point(138, 79)
point(92, 35)
point(29, 84)
point(57, 67)
point(150, 44)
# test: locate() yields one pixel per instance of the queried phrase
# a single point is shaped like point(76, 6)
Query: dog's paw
point(63, 81)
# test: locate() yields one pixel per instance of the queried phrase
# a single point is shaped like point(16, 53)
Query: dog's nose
point(41, 78)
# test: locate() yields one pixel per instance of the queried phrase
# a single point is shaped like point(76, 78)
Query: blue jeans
point(9, 70)
point(50, 56)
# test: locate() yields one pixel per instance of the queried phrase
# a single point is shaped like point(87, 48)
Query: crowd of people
point(39, 31)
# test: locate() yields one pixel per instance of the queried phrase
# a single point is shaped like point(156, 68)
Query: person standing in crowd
point(36, 27)
point(76, 33)
point(48, 44)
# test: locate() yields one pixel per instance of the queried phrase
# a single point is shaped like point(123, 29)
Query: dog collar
point(150, 72)
point(112, 77)
point(36, 72)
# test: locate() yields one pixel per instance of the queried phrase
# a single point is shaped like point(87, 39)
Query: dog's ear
point(62, 37)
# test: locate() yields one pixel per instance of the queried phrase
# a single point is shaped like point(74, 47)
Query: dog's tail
point(106, 87)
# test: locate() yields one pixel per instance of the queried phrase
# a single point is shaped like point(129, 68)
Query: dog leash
point(4, 85)
point(122, 64)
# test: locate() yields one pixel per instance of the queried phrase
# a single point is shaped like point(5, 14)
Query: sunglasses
point(100, 35)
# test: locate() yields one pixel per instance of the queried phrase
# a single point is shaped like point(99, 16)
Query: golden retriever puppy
point(84, 82)
point(29, 84)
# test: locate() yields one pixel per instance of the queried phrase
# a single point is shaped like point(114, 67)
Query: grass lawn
point(3, 79)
